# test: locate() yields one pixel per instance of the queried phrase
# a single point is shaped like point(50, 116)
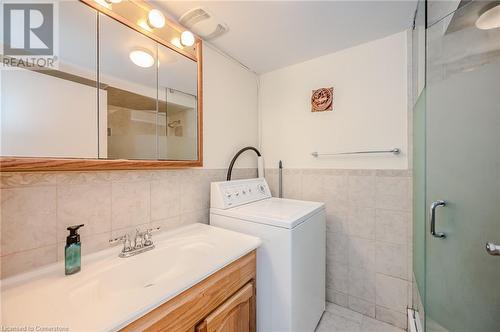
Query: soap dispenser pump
point(73, 251)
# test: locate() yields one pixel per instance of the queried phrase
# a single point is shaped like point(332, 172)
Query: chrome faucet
point(142, 242)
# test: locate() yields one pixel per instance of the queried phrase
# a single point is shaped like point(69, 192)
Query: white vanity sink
point(111, 292)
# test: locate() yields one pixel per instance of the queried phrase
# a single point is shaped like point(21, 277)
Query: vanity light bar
point(139, 15)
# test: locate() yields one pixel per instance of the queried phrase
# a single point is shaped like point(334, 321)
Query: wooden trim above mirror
point(18, 164)
point(29, 164)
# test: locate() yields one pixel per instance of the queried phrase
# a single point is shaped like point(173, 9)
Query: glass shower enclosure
point(456, 166)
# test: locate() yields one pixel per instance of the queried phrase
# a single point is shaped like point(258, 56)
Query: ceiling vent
point(203, 23)
point(193, 16)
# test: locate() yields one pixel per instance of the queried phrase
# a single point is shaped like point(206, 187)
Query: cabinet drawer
point(237, 314)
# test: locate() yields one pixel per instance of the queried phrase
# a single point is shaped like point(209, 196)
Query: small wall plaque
point(322, 100)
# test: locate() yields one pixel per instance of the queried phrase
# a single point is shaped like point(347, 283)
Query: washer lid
point(278, 212)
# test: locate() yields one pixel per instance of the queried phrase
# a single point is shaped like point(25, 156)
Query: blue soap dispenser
point(73, 251)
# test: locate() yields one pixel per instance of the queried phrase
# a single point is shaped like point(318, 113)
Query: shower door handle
point(493, 249)
point(432, 218)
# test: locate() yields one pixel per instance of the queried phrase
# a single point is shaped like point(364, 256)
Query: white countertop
point(110, 292)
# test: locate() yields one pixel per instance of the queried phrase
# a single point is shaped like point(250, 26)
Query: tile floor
point(340, 319)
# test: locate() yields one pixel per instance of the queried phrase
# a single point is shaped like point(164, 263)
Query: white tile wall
point(368, 235)
point(31, 213)
point(37, 207)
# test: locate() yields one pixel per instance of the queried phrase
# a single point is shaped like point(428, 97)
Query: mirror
point(178, 116)
point(117, 94)
point(151, 106)
point(131, 91)
point(53, 112)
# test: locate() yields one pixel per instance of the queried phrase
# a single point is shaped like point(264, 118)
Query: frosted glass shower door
point(462, 290)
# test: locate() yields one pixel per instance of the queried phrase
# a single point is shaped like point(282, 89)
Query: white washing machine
point(291, 259)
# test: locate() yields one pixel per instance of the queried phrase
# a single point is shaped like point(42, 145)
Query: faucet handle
point(138, 239)
point(154, 229)
point(117, 240)
point(147, 237)
point(127, 246)
point(126, 242)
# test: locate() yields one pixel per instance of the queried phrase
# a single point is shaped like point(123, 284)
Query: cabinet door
point(237, 314)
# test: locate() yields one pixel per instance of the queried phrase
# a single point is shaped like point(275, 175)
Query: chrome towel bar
point(394, 151)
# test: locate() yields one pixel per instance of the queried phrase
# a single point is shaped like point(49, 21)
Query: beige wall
point(370, 108)
point(367, 197)
point(230, 111)
point(368, 236)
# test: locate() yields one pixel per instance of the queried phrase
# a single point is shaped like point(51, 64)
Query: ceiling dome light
point(490, 19)
point(156, 19)
point(142, 58)
point(187, 38)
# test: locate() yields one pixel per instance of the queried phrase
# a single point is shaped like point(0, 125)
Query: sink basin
point(151, 269)
point(111, 292)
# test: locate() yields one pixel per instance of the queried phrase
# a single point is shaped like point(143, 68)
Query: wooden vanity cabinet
point(236, 314)
point(222, 302)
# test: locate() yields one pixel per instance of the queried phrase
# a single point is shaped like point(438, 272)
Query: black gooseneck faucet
point(231, 165)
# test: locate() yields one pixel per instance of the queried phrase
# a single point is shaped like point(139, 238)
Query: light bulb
point(187, 38)
point(490, 19)
point(142, 58)
point(156, 19)
point(177, 42)
point(145, 25)
point(104, 3)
